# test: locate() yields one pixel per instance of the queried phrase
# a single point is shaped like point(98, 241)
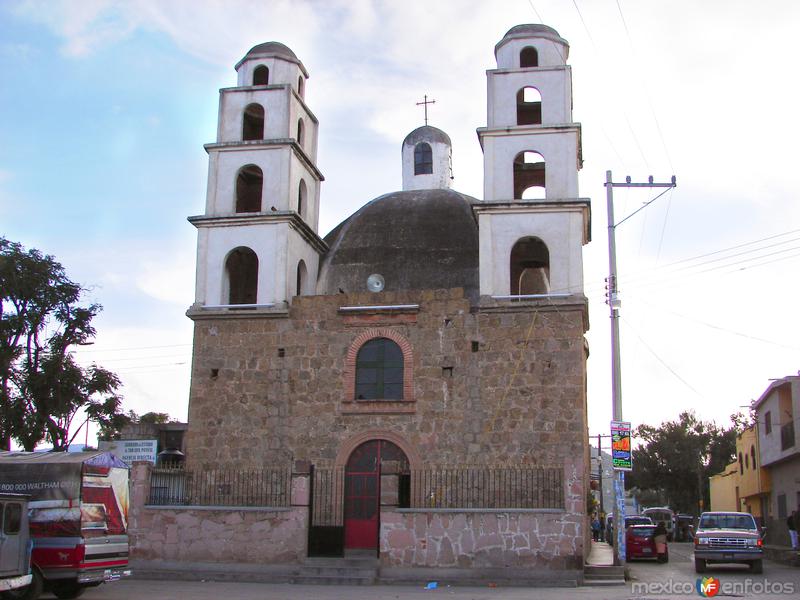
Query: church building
point(426, 358)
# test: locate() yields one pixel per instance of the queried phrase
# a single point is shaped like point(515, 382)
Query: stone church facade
point(429, 330)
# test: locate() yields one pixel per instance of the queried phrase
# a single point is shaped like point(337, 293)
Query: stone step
point(604, 571)
point(332, 580)
point(594, 582)
point(337, 571)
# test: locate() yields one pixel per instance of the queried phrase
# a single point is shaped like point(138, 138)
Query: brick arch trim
point(361, 339)
point(349, 445)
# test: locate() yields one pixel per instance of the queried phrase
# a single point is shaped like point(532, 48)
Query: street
point(650, 579)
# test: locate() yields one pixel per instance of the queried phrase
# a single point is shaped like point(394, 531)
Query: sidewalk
point(600, 554)
point(782, 554)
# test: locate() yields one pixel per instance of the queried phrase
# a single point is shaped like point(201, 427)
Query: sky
point(105, 107)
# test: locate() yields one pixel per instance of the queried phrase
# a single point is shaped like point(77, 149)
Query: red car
point(640, 543)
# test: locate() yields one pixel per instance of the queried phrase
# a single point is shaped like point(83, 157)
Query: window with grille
point(379, 371)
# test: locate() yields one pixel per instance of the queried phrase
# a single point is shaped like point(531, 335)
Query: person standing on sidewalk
point(792, 522)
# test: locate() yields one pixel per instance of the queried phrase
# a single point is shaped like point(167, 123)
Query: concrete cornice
point(582, 205)
point(244, 146)
point(528, 70)
point(276, 86)
point(289, 217)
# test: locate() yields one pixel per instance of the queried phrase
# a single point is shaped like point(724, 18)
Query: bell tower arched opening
point(241, 274)
point(528, 57)
point(261, 75)
point(529, 106)
point(249, 186)
point(529, 175)
point(530, 267)
point(253, 122)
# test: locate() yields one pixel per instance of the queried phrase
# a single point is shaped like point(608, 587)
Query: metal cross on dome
point(425, 103)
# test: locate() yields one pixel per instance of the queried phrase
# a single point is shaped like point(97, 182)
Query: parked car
point(684, 528)
point(728, 537)
point(15, 544)
point(629, 521)
point(640, 543)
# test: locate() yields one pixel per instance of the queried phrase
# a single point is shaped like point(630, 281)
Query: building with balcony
point(777, 412)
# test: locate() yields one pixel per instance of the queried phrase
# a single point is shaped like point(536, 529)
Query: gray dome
point(531, 30)
point(426, 133)
point(422, 239)
point(271, 49)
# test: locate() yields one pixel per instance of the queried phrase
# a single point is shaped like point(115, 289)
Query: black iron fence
point(176, 486)
point(490, 488)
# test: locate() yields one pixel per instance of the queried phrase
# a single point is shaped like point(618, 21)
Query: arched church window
point(423, 159)
point(528, 57)
point(253, 122)
point(241, 270)
point(302, 275)
point(261, 75)
point(302, 198)
point(249, 186)
point(300, 132)
point(300, 89)
point(530, 267)
point(529, 175)
point(529, 106)
point(379, 371)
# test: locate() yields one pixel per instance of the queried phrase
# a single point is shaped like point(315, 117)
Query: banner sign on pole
point(621, 446)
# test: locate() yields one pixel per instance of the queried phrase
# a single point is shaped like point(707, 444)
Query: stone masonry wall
point(540, 540)
point(494, 384)
point(215, 535)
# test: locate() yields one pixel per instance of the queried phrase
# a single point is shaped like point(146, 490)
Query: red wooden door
point(362, 491)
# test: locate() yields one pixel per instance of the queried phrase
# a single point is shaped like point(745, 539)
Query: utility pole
point(616, 375)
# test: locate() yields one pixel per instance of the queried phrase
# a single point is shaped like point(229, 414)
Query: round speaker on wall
point(375, 282)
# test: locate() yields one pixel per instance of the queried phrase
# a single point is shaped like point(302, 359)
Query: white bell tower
point(258, 244)
point(532, 223)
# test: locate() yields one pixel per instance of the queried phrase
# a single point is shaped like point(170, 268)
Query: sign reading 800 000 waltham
point(621, 446)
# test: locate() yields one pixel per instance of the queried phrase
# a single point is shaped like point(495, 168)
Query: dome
point(271, 49)
point(422, 239)
point(426, 133)
point(530, 30)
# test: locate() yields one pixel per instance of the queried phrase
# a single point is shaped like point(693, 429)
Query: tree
point(676, 459)
point(112, 430)
point(42, 387)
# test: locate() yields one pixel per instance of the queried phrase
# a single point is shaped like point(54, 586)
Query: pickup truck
point(15, 543)
point(78, 517)
point(728, 537)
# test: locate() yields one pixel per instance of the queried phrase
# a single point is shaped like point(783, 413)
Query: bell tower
point(532, 223)
point(258, 244)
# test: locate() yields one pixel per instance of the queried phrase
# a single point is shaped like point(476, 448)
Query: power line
point(719, 328)
point(653, 352)
point(132, 348)
point(644, 87)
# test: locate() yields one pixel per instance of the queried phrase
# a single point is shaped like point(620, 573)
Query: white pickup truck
point(728, 537)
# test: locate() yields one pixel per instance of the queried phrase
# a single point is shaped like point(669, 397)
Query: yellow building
point(744, 485)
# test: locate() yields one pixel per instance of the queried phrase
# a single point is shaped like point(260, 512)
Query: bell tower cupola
point(532, 223)
point(258, 244)
point(427, 160)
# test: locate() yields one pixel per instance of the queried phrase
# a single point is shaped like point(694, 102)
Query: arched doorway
point(362, 491)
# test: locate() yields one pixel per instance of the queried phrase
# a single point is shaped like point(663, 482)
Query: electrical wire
point(661, 360)
point(718, 328)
